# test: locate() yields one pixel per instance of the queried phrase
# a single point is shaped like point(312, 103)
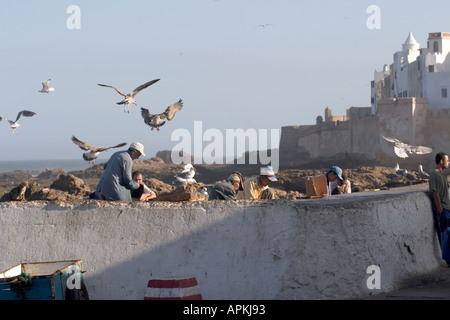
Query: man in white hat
point(258, 187)
point(117, 181)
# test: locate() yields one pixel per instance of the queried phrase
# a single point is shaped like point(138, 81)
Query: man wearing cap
point(258, 187)
point(117, 182)
point(228, 189)
point(334, 180)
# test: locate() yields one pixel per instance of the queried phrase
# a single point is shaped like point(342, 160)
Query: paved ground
point(435, 286)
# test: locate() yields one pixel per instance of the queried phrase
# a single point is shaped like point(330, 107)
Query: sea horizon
point(35, 167)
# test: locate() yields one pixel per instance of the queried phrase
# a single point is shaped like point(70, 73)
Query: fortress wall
point(364, 137)
point(305, 249)
point(407, 119)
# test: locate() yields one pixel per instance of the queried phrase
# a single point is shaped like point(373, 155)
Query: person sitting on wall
point(346, 186)
point(258, 187)
point(143, 193)
point(228, 189)
point(334, 180)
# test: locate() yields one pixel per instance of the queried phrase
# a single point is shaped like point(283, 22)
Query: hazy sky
point(230, 72)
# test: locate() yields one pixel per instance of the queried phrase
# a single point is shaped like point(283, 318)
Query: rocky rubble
point(53, 185)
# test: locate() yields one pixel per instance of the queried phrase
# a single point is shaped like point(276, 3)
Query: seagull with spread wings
point(157, 120)
point(45, 87)
point(14, 124)
point(404, 150)
point(93, 151)
point(129, 98)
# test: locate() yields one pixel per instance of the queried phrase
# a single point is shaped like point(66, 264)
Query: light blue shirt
point(116, 182)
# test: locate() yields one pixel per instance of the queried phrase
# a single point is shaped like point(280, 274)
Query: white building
point(416, 72)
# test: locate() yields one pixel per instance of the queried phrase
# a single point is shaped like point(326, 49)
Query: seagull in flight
point(45, 87)
point(404, 150)
point(14, 124)
point(264, 25)
point(157, 120)
point(129, 98)
point(93, 151)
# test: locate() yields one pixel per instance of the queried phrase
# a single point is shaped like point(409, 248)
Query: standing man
point(258, 187)
point(117, 182)
point(439, 192)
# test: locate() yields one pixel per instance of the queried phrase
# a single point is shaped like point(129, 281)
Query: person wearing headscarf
point(228, 189)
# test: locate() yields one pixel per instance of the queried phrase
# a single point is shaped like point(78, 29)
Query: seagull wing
point(83, 145)
point(25, 113)
point(100, 149)
point(143, 86)
point(419, 150)
point(145, 113)
point(172, 110)
point(45, 84)
point(400, 152)
point(392, 140)
point(183, 175)
point(108, 86)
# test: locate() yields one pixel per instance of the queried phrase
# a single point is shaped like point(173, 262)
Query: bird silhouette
point(14, 124)
point(45, 87)
point(157, 120)
point(129, 98)
point(93, 151)
point(404, 150)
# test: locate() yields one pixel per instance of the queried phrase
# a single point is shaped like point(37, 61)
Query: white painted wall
point(305, 249)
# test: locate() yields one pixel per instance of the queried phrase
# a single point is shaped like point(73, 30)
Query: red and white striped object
point(173, 289)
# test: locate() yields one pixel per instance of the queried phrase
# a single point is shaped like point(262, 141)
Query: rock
point(71, 184)
point(50, 173)
point(17, 175)
point(166, 155)
point(158, 186)
point(48, 194)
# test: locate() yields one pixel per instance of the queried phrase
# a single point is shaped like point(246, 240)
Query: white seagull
point(14, 124)
point(129, 98)
point(157, 120)
point(404, 150)
point(186, 176)
point(45, 87)
point(422, 174)
point(264, 25)
point(93, 151)
point(400, 172)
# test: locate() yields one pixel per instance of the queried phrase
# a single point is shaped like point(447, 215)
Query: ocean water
point(35, 167)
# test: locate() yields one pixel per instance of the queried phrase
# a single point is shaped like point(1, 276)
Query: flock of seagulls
point(411, 175)
point(155, 121)
point(14, 124)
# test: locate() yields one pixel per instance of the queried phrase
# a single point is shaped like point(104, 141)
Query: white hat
point(268, 171)
point(138, 147)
